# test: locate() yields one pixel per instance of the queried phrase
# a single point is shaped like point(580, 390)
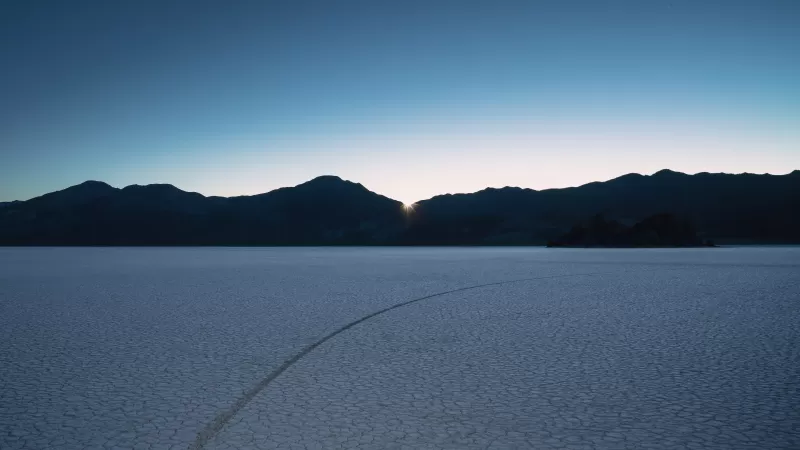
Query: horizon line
point(415, 202)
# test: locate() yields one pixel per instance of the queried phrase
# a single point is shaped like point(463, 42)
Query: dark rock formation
point(661, 230)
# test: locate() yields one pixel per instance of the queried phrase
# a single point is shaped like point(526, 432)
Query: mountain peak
point(89, 186)
point(80, 193)
point(94, 183)
point(665, 172)
point(331, 179)
point(632, 176)
point(329, 182)
point(163, 187)
point(627, 178)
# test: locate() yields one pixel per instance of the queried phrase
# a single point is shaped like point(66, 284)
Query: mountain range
point(327, 210)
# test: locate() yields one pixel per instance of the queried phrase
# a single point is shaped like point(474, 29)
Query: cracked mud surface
point(144, 348)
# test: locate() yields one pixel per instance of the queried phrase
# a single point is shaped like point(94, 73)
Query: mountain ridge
point(329, 210)
point(488, 188)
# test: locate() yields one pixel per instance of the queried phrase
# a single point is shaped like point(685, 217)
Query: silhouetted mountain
point(746, 207)
point(73, 196)
point(661, 230)
point(323, 211)
point(330, 211)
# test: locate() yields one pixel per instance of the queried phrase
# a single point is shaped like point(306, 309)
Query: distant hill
point(324, 211)
point(330, 211)
point(729, 208)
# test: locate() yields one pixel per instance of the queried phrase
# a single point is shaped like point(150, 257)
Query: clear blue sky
point(411, 98)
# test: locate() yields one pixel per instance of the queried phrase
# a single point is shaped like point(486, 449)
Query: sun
point(409, 207)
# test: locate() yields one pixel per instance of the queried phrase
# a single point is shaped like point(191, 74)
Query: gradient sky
point(410, 98)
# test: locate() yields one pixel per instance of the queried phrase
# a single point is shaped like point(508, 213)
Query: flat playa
point(222, 348)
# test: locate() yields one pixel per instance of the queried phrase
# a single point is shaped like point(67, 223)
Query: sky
point(410, 98)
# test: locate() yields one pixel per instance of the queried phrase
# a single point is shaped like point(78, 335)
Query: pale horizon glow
point(469, 160)
point(461, 157)
point(412, 99)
